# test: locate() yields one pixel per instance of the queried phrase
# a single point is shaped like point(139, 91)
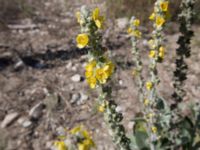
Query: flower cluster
point(80, 139)
point(135, 34)
point(159, 17)
point(99, 70)
point(133, 29)
point(98, 73)
point(156, 54)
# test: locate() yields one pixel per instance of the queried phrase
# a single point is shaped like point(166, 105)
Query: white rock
point(69, 65)
point(120, 82)
point(27, 123)
point(10, 118)
point(75, 98)
point(76, 78)
point(61, 131)
point(36, 111)
point(84, 97)
point(122, 23)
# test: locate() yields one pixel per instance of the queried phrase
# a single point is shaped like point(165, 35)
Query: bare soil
point(38, 57)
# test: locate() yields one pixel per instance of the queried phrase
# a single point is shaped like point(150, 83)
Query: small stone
point(69, 65)
point(27, 123)
point(122, 23)
point(119, 109)
point(9, 119)
point(36, 111)
point(19, 65)
point(61, 131)
point(76, 78)
point(145, 42)
point(84, 97)
point(120, 82)
point(75, 98)
point(74, 68)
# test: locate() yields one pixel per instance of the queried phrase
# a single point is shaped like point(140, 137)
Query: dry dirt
point(38, 57)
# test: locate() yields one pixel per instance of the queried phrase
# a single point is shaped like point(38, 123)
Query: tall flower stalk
point(156, 54)
point(183, 51)
point(99, 71)
point(135, 34)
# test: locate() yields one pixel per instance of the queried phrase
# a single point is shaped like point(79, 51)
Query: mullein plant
point(183, 51)
point(99, 71)
point(146, 127)
point(161, 127)
point(156, 54)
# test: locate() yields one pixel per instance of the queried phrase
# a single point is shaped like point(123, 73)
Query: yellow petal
point(82, 40)
point(149, 85)
point(95, 13)
point(136, 22)
point(159, 21)
point(60, 145)
point(152, 53)
point(152, 16)
point(164, 6)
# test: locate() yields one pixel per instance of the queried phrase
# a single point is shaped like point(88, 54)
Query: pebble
point(122, 23)
point(69, 65)
point(61, 131)
point(36, 111)
point(75, 98)
point(84, 97)
point(120, 82)
point(9, 119)
point(27, 124)
point(76, 78)
point(19, 65)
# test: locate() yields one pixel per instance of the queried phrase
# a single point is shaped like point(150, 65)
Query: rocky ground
point(43, 89)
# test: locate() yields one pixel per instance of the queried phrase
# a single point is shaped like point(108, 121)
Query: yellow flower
point(109, 68)
point(102, 107)
point(164, 6)
point(82, 147)
point(76, 129)
point(129, 30)
point(101, 75)
point(78, 17)
point(154, 129)
point(88, 74)
point(146, 102)
point(152, 53)
point(60, 145)
point(161, 52)
point(149, 85)
point(86, 145)
point(159, 21)
point(136, 22)
point(82, 40)
point(151, 43)
point(91, 65)
point(97, 18)
point(89, 69)
point(92, 82)
point(152, 16)
point(137, 33)
point(150, 115)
